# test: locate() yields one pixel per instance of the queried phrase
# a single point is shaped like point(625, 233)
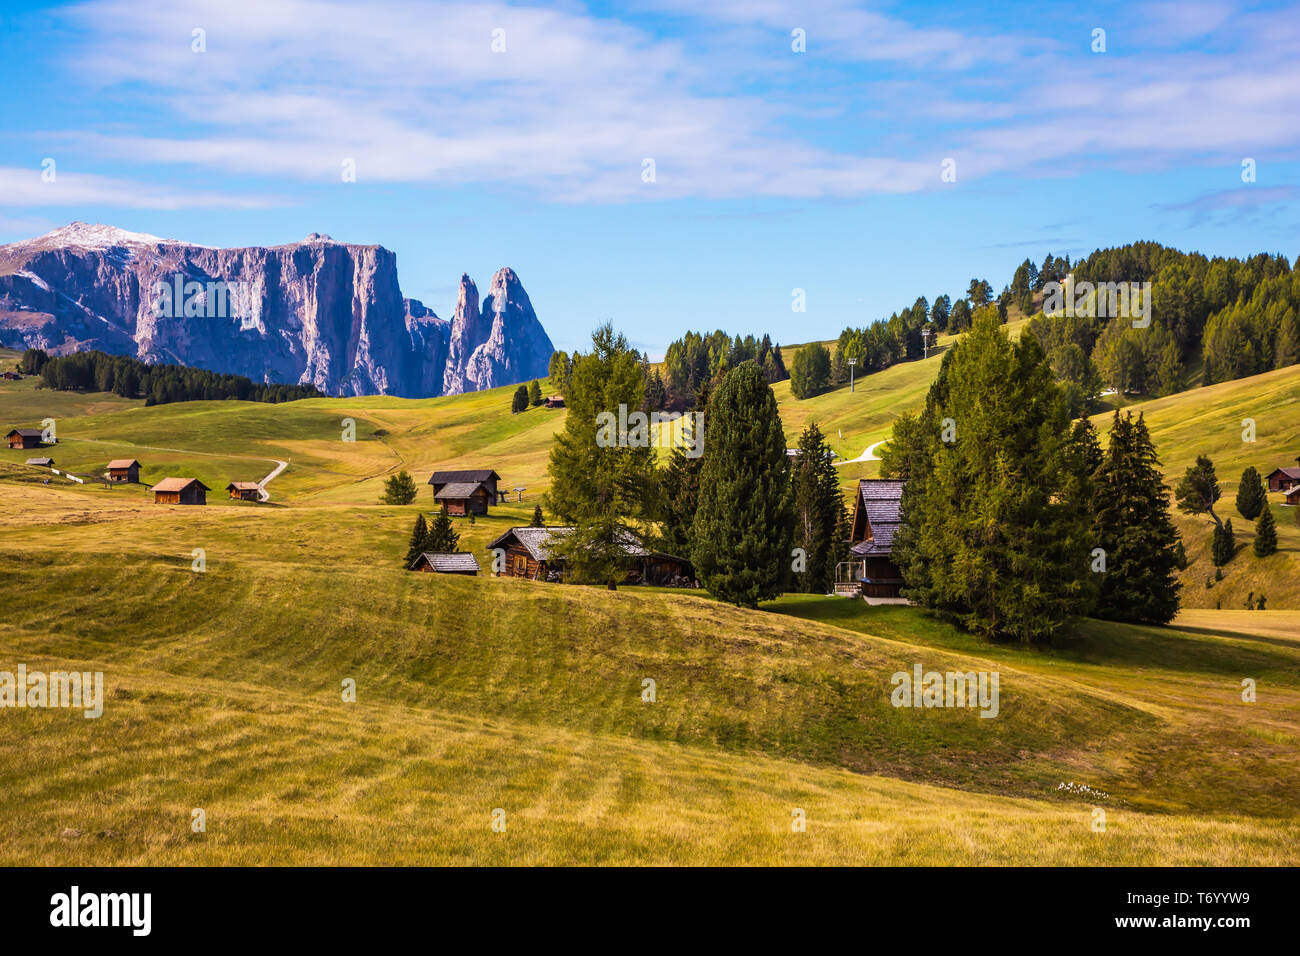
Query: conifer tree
point(538, 520)
point(520, 400)
point(817, 509)
point(602, 483)
point(1265, 534)
point(419, 539)
point(443, 537)
point(996, 523)
point(1224, 544)
point(534, 393)
point(1198, 490)
point(743, 524)
point(1133, 526)
point(399, 489)
point(679, 487)
point(1251, 496)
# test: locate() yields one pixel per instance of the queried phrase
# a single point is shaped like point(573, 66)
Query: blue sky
point(774, 169)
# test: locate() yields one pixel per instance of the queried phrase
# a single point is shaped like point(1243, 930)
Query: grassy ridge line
point(295, 779)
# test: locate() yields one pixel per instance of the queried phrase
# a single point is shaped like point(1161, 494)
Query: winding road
point(868, 455)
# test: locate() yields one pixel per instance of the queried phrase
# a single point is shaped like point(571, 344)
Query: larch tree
point(602, 477)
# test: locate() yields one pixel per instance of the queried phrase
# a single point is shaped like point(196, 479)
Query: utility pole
point(852, 362)
point(925, 341)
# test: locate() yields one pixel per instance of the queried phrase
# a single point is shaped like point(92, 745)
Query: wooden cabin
point(24, 438)
point(463, 498)
point(1292, 497)
point(484, 476)
point(244, 490)
point(446, 562)
point(124, 469)
point(11, 376)
point(41, 462)
point(555, 401)
point(528, 554)
point(180, 491)
point(1283, 479)
point(870, 571)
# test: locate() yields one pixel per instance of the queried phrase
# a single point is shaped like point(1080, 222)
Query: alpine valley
point(319, 312)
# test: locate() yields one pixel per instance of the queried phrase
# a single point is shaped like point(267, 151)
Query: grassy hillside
point(223, 687)
point(223, 693)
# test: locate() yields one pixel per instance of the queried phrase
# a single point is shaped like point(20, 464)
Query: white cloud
point(25, 187)
point(412, 91)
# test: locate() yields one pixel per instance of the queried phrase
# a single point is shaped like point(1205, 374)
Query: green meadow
point(223, 688)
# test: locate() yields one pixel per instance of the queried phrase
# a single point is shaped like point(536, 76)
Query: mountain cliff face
point(326, 313)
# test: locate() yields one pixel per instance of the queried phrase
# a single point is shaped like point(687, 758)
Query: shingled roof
point(458, 489)
point(538, 542)
point(122, 463)
point(481, 474)
point(26, 432)
point(448, 562)
point(881, 499)
point(178, 484)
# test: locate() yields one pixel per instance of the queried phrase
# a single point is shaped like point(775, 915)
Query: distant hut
point(11, 376)
point(528, 554)
point(180, 491)
point(24, 438)
point(484, 476)
point(124, 469)
point(244, 490)
point(555, 401)
point(446, 562)
point(1292, 497)
point(463, 498)
point(41, 462)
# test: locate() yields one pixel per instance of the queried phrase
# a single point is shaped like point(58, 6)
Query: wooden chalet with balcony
point(870, 571)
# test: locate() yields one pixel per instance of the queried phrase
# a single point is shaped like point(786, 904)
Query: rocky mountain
point(318, 311)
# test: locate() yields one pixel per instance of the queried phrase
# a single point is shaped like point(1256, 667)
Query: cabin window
point(521, 564)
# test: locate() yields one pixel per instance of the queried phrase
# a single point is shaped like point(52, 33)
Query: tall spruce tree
point(1251, 495)
point(817, 509)
point(538, 520)
point(1265, 534)
point(419, 538)
point(602, 475)
point(996, 522)
point(1133, 526)
point(743, 524)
